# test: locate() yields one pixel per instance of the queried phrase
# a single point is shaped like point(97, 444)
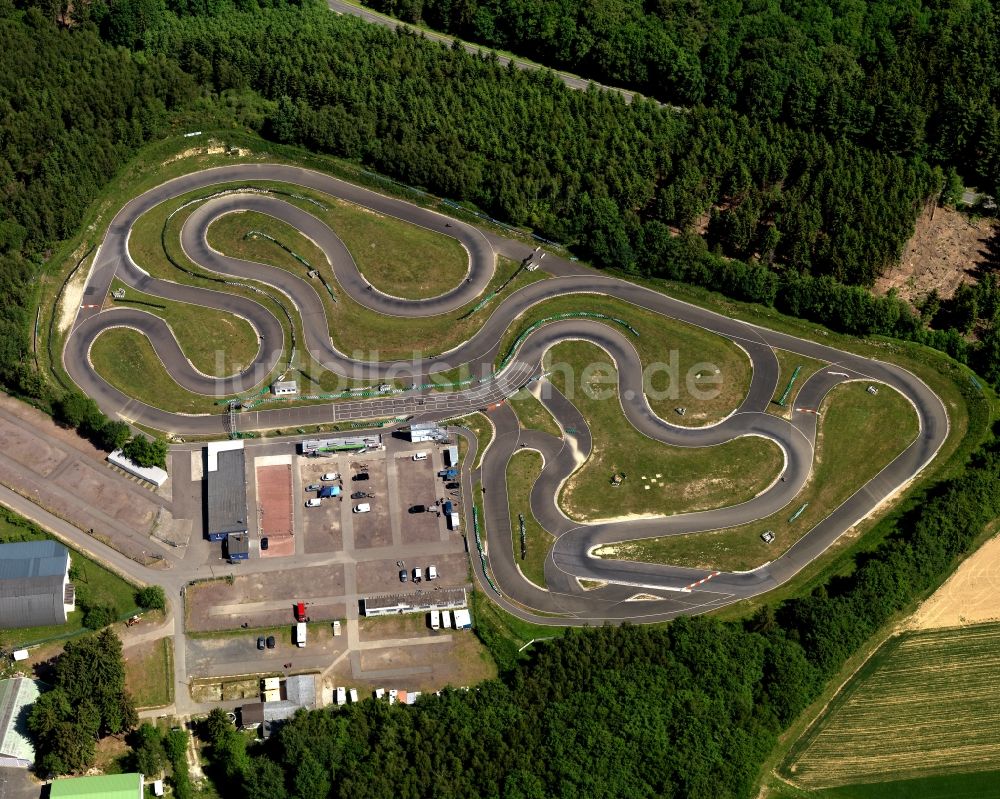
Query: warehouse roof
point(226, 490)
point(32, 575)
point(17, 695)
point(110, 786)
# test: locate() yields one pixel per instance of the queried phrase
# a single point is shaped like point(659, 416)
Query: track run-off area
point(626, 590)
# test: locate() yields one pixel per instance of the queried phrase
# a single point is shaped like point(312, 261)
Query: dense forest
point(899, 77)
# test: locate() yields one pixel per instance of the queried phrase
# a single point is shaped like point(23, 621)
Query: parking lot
point(418, 487)
point(266, 599)
point(382, 576)
point(372, 529)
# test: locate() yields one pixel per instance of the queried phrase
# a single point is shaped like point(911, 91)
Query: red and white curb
point(701, 581)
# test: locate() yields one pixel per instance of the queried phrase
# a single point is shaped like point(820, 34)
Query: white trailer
point(435, 620)
point(300, 634)
point(341, 695)
point(354, 695)
point(446, 619)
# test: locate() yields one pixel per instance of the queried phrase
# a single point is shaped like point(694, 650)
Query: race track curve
point(666, 591)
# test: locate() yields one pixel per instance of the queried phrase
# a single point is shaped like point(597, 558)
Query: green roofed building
point(112, 786)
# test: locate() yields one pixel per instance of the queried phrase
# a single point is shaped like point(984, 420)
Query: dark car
point(417, 509)
point(452, 486)
point(270, 642)
point(403, 575)
point(313, 487)
point(360, 476)
point(260, 642)
point(263, 544)
point(358, 495)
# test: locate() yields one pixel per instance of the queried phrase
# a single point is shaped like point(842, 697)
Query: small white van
point(432, 572)
point(435, 620)
point(364, 507)
point(419, 456)
point(446, 619)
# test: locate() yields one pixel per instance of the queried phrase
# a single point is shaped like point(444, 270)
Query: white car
point(419, 456)
point(432, 572)
point(364, 507)
point(313, 503)
point(331, 476)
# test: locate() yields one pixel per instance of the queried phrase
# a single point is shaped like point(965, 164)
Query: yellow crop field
point(927, 702)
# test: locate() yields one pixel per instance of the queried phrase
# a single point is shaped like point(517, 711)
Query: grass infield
point(660, 479)
point(522, 471)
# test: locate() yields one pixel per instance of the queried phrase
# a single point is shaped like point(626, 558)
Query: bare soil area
point(970, 596)
point(948, 248)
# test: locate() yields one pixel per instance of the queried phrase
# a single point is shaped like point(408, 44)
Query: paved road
point(373, 17)
point(570, 558)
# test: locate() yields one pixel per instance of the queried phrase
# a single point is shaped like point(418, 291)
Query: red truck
point(300, 611)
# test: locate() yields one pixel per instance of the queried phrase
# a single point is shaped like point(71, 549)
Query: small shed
point(283, 388)
point(451, 456)
point(238, 546)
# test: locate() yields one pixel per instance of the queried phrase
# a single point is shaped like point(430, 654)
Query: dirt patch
point(947, 249)
point(72, 296)
point(970, 596)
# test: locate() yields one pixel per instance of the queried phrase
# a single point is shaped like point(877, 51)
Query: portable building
point(463, 619)
point(341, 695)
point(451, 456)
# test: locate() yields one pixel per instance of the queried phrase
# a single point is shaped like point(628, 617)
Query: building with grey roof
point(300, 692)
point(225, 489)
point(34, 584)
point(419, 602)
point(17, 695)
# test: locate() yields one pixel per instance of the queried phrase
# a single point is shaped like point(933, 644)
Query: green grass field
point(231, 346)
point(522, 471)
point(94, 585)
point(679, 479)
point(662, 345)
point(924, 704)
point(149, 673)
point(532, 414)
point(886, 423)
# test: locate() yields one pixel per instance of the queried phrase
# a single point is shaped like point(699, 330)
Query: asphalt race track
point(635, 591)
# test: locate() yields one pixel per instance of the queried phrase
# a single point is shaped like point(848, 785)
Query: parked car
point(260, 641)
point(417, 508)
point(419, 456)
point(263, 544)
point(331, 476)
point(313, 487)
point(360, 476)
point(418, 574)
point(270, 642)
point(364, 507)
point(403, 576)
point(767, 537)
point(452, 486)
point(313, 503)
point(432, 572)
point(360, 495)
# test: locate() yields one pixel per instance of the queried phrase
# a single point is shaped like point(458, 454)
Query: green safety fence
point(798, 513)
point(259, 234)
point(788, 389)
point(524, 542)
point(479, 546)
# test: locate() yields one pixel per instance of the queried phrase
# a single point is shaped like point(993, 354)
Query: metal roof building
point(420, 602)
point(34, 584)
point(17, 695)
point(110, 786)
point(225, 489)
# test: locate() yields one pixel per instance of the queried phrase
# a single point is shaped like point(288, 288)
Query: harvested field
point(970, 596)
point(926, 703)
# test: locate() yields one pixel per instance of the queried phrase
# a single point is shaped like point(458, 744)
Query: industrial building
point(17, 695)
point(420, 602)
point(34, 584)
point(299, 691)
point(110, 786)
point(225, 489)
point(238, 546)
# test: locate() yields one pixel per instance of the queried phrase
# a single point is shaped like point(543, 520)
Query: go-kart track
point(665, 591)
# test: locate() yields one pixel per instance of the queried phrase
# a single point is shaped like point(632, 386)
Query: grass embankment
point(94, 585)
point(522, 471)
point(149, 673)
point(504, 635)
point(924, 704)
point(532, 414)
point(483, 429)
point(679, 480)
point(396, 257)
point(215, 342)
point(681, 362)
point(886, 423)
point(788, 362)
